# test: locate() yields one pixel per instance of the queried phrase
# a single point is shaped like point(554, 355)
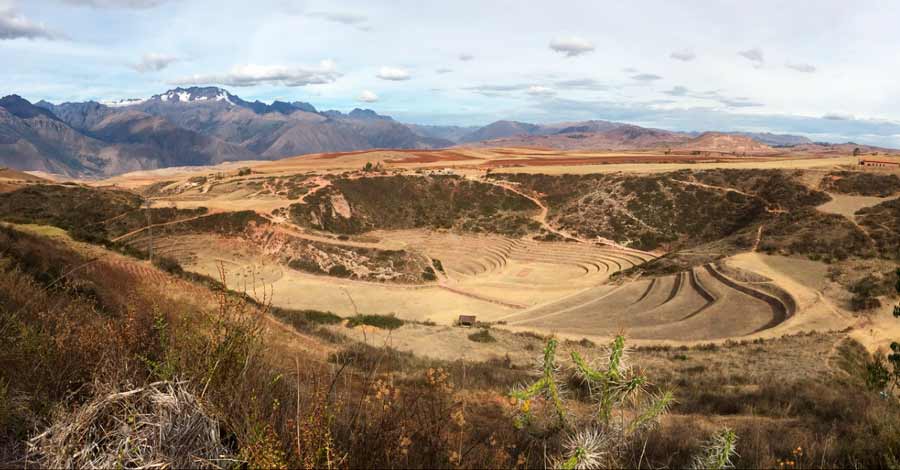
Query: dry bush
point(159, 425)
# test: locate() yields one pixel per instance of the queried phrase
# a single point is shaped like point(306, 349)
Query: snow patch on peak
point(223, 96)
point(194, 94)
point(122, 103)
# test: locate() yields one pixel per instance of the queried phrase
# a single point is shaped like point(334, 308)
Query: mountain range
point(209, 125)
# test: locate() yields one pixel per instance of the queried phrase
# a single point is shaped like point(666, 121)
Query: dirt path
point(717, 188)
point(758, 237)
point(288, 229)
point(544, 213)
point(163, 224)
point(321, 183)
point(481, 297)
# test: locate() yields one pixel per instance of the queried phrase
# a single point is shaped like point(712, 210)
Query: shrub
point(304, 320)
point(304, 264)
point(168, 265)
point(385, 322)
point(483, 336)
point(339, 270)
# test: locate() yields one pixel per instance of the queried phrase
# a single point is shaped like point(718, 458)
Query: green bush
point(304, 320)
point(385, 322)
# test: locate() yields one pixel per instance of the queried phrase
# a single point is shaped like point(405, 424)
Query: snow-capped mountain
point(197, 94)
point(203, 125)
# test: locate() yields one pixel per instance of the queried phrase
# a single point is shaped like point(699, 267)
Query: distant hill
point(722, 142)
point(207, 125)
point(502, 129)
point(775, 140)
point(595, 135)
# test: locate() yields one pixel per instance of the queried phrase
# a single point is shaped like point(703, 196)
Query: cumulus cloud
point(393, 74)
point(443, 70)
point(800, 67)
point(837, 117)
point(251, 75)
point(571, 46)
point(537, 90)
point(357, 20)
point(14, 25)
point(684, 55)
point(154, 62)
point(132, 4)
point(646, 77)
point(466, 57)
point(367, 96)
point(754, 55)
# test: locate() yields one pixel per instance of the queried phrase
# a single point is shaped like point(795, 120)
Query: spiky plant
point(548, 387)
point(616, 384)
point(584, 450)
point(600, 442)
point(718, 452)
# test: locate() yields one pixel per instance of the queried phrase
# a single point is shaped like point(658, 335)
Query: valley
point(658, 246)
point(722, 271)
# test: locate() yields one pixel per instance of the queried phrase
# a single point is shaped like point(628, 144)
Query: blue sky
point(826, 68)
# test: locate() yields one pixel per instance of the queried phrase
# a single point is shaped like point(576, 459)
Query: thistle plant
point(718, 452)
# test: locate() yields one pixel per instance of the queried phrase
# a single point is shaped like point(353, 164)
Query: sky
point(825, 69)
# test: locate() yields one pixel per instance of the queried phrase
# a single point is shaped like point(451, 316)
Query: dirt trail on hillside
point(544, 214)
point(163, 224)
point(717, 188)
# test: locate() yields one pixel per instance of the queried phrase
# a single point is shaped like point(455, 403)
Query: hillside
point(721, 142)
point(593, 135)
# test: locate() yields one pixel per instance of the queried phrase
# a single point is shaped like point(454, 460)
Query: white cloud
point(133, 4)
point(357, 20)
point(684, 55)
point(367, 96)
point(677, 91)
point(582, 84)
point(646, 77)
point(800, 67)
point(537, 90)
point(443, 70)
point(497, 90)
point(466, 57)
point(393, 74)
point(571, 46)
point(14, 25)
point(154, 62)
point(251, 75)
point(754, 55)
